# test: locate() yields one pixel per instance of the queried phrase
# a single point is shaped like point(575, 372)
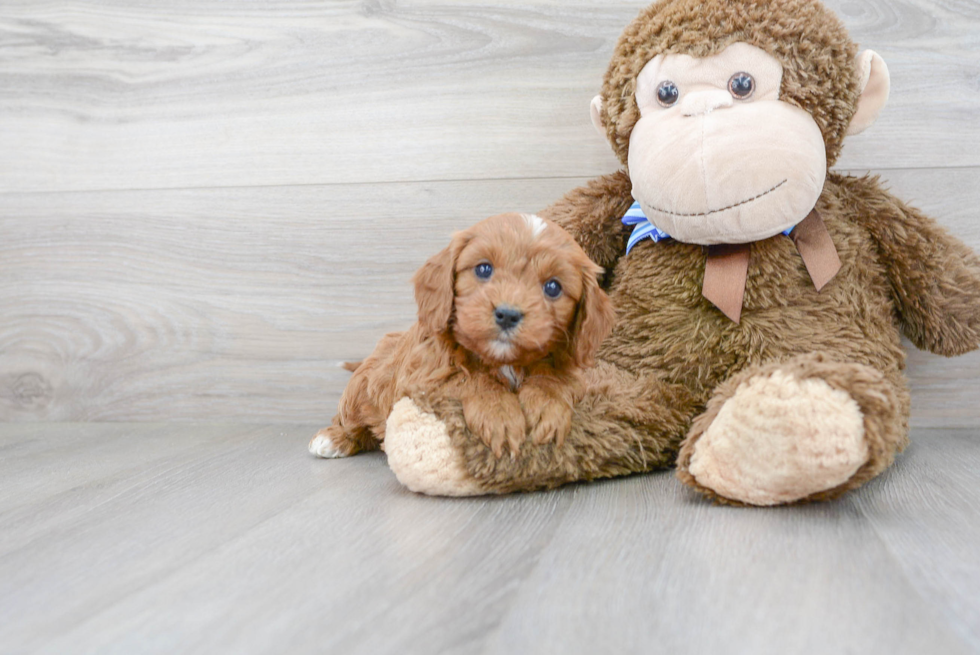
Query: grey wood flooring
point(146, 538)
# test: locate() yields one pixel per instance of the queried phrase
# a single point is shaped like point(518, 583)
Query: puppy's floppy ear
point(594, 319)
point(435, 286)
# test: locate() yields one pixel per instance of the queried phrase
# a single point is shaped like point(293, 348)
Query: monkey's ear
point(874, 82)
point(596, 110)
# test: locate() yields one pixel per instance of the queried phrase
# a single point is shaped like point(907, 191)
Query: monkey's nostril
point(507, 317)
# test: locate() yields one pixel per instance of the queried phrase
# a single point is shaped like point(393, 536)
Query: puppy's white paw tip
point(322, 446)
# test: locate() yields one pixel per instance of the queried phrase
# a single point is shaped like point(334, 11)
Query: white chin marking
point(501, 350)
point(536, 223)
point(321, 446)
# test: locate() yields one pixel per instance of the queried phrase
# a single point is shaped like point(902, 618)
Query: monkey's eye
point(667, 93)
point(483, 270)
point(552, 288)
point(741, 85)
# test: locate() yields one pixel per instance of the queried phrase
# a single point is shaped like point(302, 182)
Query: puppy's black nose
point(507, 316)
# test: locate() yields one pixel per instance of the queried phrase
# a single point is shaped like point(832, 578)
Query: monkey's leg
point(624, 424)
point(805, 429)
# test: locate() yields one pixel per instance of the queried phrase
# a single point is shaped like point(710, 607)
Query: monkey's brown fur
point(674, 359)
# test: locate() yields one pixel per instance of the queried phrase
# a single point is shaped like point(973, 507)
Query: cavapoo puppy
point(508, 314)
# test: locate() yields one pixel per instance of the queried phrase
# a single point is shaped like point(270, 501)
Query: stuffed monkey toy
point(760, 297)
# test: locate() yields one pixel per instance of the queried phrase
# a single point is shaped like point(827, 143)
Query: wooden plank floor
point(110, 312)
point(127, 538)
point(132, 94)
point(205, 205)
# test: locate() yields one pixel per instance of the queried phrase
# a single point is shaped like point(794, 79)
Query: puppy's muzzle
point(507, 317)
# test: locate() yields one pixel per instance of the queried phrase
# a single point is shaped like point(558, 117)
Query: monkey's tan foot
point(422, 456)
point(805, 430)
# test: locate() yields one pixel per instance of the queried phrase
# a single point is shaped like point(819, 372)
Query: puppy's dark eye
point(741, 85)
point(552, 288)
point(667, 93)
point(483, 271)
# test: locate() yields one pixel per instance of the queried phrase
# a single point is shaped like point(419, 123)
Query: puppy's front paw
point(497, 423)
point(325, 443)
point(552, 421)
point(548, 415)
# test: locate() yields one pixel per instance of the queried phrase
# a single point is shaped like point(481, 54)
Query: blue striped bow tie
point(645, 229)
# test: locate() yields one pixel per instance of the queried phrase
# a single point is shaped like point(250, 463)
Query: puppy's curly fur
point(509, 313)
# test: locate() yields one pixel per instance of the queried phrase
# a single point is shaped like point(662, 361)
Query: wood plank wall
point(205, 205)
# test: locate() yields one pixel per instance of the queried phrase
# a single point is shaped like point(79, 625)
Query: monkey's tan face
point(716, 157)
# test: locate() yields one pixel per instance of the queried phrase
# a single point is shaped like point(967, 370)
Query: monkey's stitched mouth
point(715, 211)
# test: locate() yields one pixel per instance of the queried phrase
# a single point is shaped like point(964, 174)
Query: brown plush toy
point(760, 297)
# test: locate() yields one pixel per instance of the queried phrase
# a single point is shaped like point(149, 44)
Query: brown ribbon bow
point(727, 266)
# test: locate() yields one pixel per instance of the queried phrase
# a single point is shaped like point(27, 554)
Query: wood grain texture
point(230, 538)
point(205, 205)
point(218, 303)
point(940, 486)
point(124, 95)
point(240, 303)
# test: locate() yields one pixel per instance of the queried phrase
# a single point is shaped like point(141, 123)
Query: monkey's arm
point(935, 277)
point(593, 214)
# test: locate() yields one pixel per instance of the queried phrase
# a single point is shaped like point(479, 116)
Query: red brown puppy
point(509, 313)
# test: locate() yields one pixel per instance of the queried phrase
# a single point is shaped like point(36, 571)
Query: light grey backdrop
point(206, 205)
